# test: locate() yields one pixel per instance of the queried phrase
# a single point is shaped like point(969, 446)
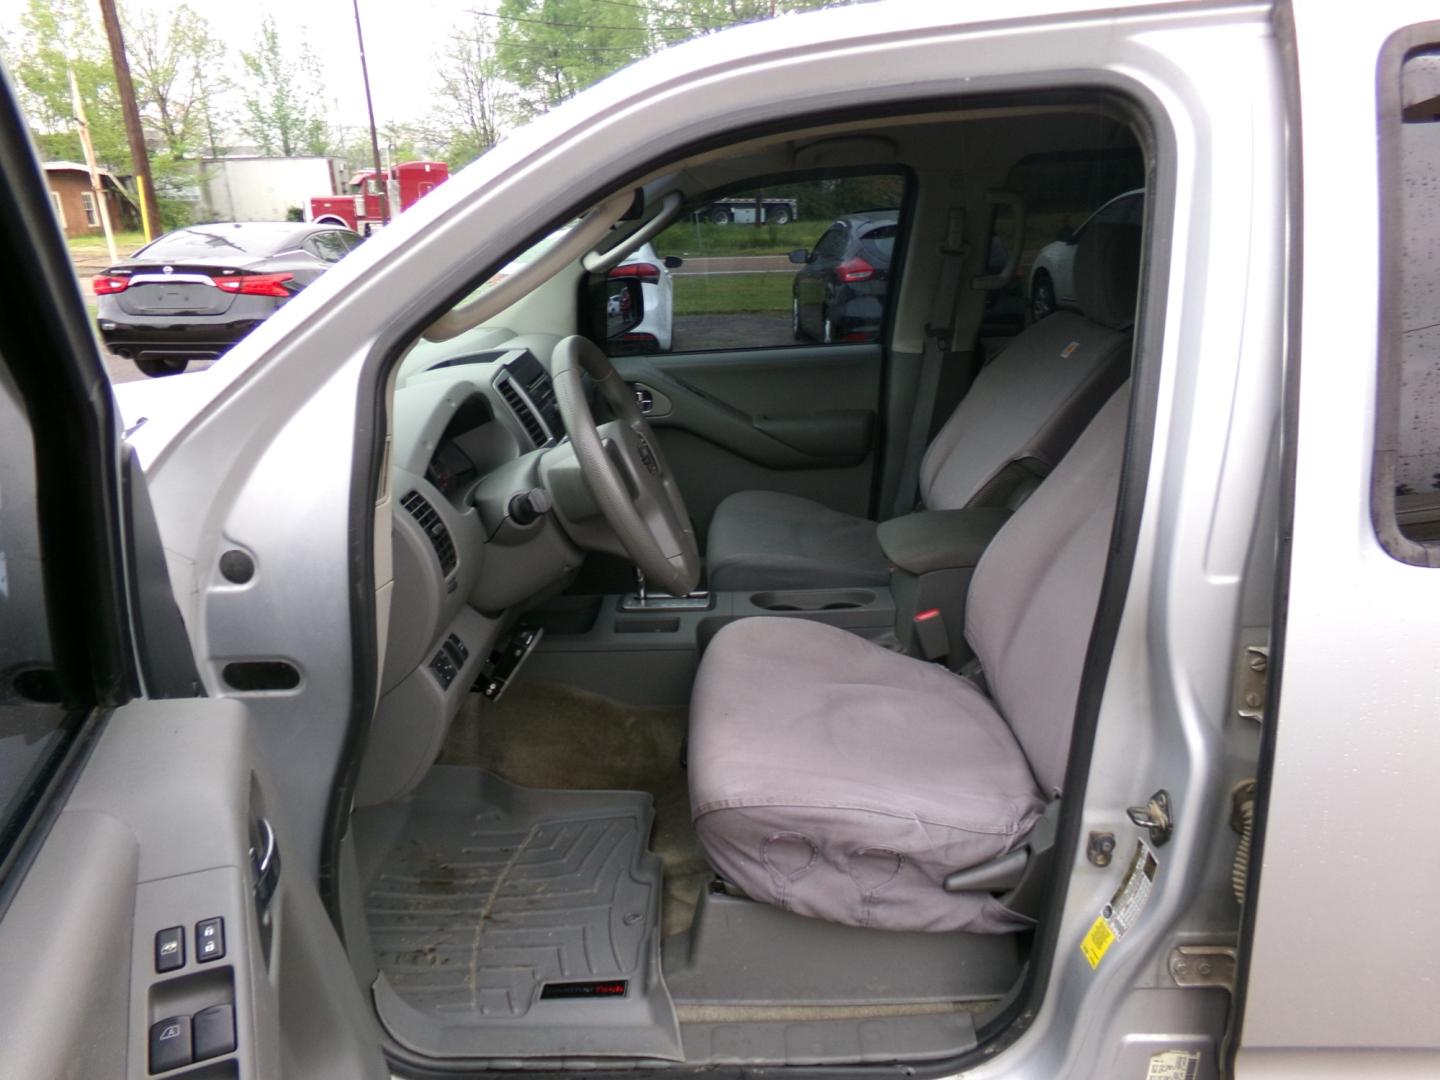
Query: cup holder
point(813, 599)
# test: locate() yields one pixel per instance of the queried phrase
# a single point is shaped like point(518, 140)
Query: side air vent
point(434, 529)
point(522, 410)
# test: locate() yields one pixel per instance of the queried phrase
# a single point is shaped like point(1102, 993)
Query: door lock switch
point(209, 939)
point(170, 950)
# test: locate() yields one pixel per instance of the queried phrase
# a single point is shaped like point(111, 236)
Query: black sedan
point(194, 292)
point(839, 294)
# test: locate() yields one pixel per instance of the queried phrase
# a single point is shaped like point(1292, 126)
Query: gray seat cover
point(764, 539)
point(1027, 406)
point(834, 778)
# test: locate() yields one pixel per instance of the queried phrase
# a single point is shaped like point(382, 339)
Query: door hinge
point(1252, 682)
point(1198, 966)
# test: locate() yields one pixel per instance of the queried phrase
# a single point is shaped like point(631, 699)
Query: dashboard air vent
point(522, 410)
point(434, 529)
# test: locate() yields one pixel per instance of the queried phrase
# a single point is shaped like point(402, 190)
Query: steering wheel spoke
point(625, 471)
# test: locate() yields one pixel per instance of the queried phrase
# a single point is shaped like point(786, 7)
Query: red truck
point(360, 209)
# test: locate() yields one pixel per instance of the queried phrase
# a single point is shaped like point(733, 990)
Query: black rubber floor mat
point(513, 922)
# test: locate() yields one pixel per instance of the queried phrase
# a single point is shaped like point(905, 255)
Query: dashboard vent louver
point(521, 408)
point(434, 529)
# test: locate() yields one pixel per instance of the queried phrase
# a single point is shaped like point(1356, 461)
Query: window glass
point(328, 246)
point(802, 262)
point(199, 241)
point(87, 200)
point(1410, 449)
point(33, 726)
point(1062, 193)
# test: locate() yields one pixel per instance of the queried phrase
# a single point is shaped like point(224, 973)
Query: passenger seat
point(1020, 417)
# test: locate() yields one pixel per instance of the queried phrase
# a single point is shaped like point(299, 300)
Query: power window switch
point(170, 949)
point(209, 939)
point(214, 1031)
point(170, 1044)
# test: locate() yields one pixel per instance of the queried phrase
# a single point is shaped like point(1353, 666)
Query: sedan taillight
point(853, 270)
point(106, 284)
point(644, 271)
point(256, 285)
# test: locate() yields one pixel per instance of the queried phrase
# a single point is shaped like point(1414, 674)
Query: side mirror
point(673, 262)
point(1066, 235)
point(800, 255)
point(624, 306)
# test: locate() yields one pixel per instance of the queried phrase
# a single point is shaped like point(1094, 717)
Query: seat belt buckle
point(930, 634)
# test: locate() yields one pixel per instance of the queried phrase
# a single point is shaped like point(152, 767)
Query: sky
point(401, 40)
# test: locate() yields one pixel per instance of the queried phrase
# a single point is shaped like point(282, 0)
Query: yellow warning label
point(1097, 941)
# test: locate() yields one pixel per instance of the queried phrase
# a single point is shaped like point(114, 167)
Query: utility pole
point(380, 177)
point(134, 134)
point(97, 189)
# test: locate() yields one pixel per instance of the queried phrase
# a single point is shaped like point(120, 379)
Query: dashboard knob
point(527, 506)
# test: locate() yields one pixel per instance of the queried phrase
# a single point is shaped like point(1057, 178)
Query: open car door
point(152, 918)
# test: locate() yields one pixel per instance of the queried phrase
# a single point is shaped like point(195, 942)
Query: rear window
point(882, 239)
point(203, 241)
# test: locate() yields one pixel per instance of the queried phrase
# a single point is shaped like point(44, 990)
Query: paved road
point(122, 370)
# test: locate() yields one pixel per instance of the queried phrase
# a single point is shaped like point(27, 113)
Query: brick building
point(74, 202)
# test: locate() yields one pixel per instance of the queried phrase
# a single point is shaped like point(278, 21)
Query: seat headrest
point(1107, 273)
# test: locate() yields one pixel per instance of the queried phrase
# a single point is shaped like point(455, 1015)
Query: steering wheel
point(622, 465)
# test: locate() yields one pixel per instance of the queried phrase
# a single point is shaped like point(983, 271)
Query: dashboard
point(473, 538)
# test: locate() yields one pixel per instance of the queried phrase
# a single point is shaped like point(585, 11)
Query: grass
point(700, 239)
point(732, 294)
point(94, 244)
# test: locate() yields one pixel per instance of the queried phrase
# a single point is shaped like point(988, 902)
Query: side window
point(1062, 193)
point(791, 262)
point(328, 246)
point(34, 728)
point(1407, 468)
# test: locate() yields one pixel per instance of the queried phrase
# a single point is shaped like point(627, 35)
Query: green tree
point(176, 64)
point(55, 37)
point(552, 49)
point(470, 83)
point(282, 100)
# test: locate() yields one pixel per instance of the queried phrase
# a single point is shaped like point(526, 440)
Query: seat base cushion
point(834, 778)
point(768, 540)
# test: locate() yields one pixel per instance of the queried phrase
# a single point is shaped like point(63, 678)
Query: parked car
point(194, 292)
point(839, 295)
point(1052, 277)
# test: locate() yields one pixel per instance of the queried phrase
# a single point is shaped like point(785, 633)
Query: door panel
point(801, 421)
point(161, 832)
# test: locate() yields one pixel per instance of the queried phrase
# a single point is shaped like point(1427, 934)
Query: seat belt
point(938, 329)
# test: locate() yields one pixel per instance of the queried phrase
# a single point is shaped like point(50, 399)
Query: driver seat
point(836, 779)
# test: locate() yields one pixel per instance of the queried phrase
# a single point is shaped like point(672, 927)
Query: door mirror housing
point(800, 256)
point(673, 262)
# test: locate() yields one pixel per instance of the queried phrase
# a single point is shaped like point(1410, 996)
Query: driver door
point(155, 918)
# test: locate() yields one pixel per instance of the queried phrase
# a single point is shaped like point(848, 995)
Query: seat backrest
point(1033, 597)
point(1028, 407)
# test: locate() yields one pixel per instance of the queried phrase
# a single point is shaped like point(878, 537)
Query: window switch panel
point(170, 950)
point(209, 939)
point(170, 1044)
